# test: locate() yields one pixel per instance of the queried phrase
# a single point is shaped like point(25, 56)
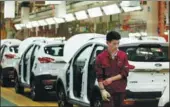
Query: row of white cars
point(67, 68)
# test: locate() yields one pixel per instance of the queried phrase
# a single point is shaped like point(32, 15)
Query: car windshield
point(55, 50)
point(14, 48)
point(147, 53)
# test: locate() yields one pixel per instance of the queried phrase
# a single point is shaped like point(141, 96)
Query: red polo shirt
point(113, 67)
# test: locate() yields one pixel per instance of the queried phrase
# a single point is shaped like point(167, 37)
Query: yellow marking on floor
point(21, 100)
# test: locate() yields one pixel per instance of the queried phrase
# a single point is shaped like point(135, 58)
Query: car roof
point(10, 42)
point(27, 42)
point(76, 41)
point(130, 42)
point(54, 43)
point(42, 41)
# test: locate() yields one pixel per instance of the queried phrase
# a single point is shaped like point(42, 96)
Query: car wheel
point(36, 91)
point(4, 81)
point(18, 88)
point(62, 102)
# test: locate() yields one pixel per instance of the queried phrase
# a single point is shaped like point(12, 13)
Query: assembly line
point(34, 62)
point(78, 53)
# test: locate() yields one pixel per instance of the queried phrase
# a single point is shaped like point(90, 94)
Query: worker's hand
point(107, 81)
point(105, 95)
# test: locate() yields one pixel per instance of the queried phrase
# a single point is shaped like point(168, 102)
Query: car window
point(82, 57)
point(146, 53)
point(36, 50)
point(97, 50)
point(55, 50)
point(2, 48)
point(6, 49)
point(29, 51)
point(2, 51)
point(14, 49)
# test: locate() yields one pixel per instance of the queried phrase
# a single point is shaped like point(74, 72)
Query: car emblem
point(158, 65)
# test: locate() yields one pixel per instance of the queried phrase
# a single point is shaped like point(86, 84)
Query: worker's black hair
point(113, 35)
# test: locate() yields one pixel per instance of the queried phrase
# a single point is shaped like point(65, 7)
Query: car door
point(91, 74)
point(24, 63)
point(2, 52)
point(4, 58)
point(31, 62)
point(77, 70)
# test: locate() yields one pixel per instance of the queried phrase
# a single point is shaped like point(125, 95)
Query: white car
point(8, 57)
point(39, 66)
point(78, 85)
point(165, 97)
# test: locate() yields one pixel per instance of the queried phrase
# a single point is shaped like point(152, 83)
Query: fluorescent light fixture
point(17, 26)
point(104, 1)
point(42, 23)
point(80, 15)
point(59, 20)
point(53, 2)
point(125, 3)
point(69, 17)
point(95, 12)
point(50, 21)
point(166, 33)
point(29, 25)
point(34, 23)
point(129, 6)
point(22, 25)
point(130, 9)
point(111, 9)
point(130, 3)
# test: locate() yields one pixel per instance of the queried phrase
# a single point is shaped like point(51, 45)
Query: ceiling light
point(59, 20)
point(50, 21)
point(104, 1)
point(42, 23)
point(22, 25)
point(111, 9)
point(130, 9)
point(52, 2)
point(95, 12)
point(129, 6)
point(166, 33)
point(81, 15)
point(17, 26)
point(130, 3)
point(29, 25)
point(34, 23)
point(69, 17)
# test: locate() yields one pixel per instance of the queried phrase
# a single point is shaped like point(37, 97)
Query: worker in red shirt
point(112, 69)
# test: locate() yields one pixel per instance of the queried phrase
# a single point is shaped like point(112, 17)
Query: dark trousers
point(116, 100)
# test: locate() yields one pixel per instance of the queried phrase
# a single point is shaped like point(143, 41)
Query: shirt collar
point(113, 54)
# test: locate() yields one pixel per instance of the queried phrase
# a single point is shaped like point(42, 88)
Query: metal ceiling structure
point(72, 6)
